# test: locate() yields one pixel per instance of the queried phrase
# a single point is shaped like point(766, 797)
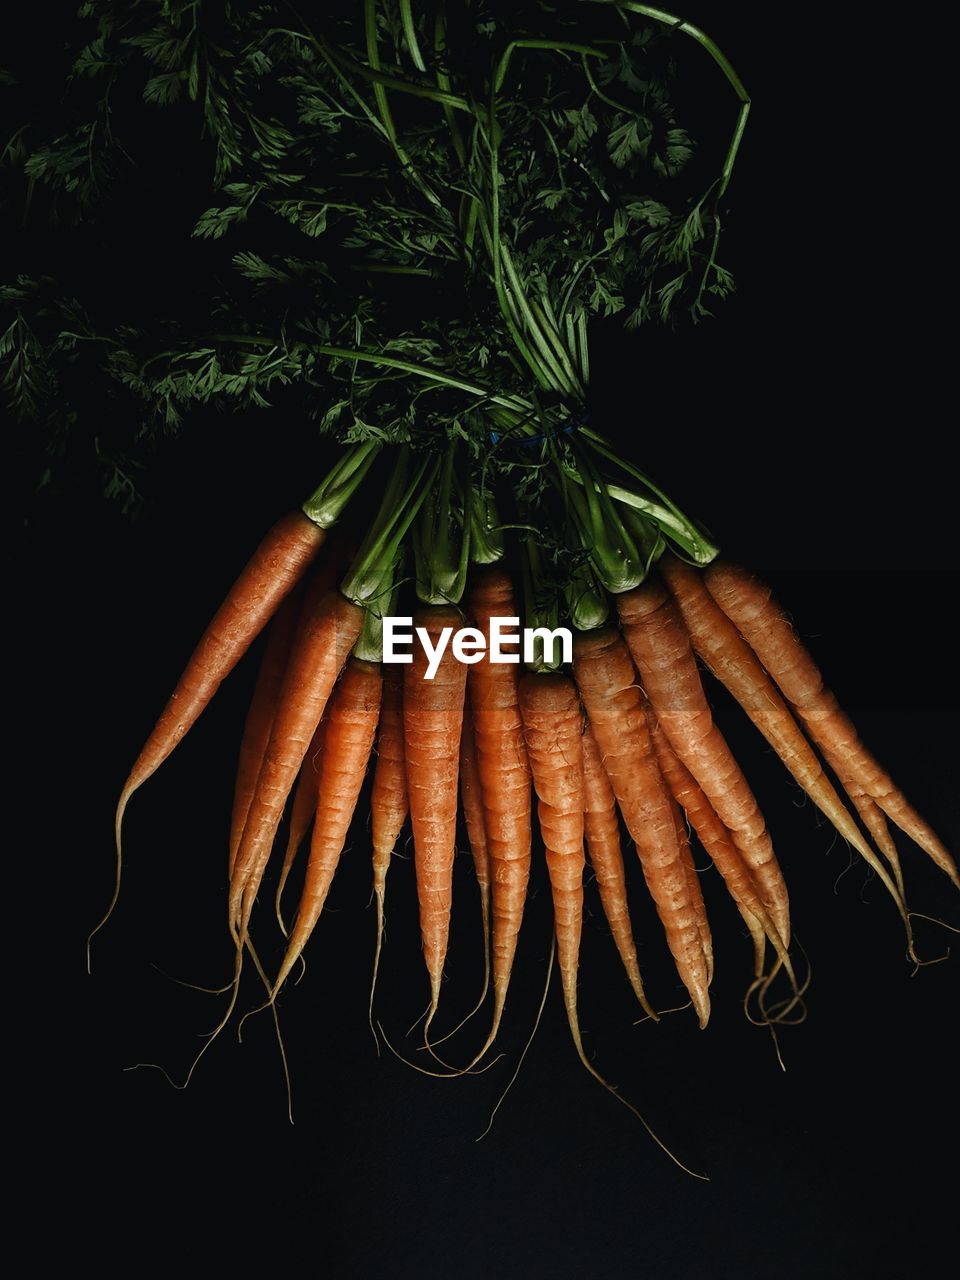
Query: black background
point(805, 425)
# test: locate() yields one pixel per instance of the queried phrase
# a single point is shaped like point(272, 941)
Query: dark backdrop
point(805, 425)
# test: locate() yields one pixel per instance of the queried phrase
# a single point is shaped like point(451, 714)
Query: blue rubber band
point(568, 427)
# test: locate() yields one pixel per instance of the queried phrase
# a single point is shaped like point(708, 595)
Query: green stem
point(398, 84)
point(385, 269)
point(583, 348)
point(440, 555)
point(369, 647)
point(551, 327)
point(647, 497)
point(383, 107)
point(329, 55)
point(587, 602)
point(540, 608)
point(443, 83)
point(492, 238)
point(515, 403)
point(486, 531)
point(371, 574)
point(556, 376)
point(598, 92)
point(650, 541)
point(325, 505)
point(552, 371)
point(337, 59)
point(719, 57)
point(575, 278)
point(602, 532)
point(410, 34)
point(553, 46)
point(373, 57)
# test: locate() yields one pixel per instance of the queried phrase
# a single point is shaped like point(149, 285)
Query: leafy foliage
point(408, 255)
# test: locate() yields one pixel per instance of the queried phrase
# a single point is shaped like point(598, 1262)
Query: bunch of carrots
point(626, 732)
point(466, 190)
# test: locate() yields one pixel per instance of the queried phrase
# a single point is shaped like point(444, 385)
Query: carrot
point(734, 664)
point(553, 733)
point(693, 881)
point(471, 798)
point(432, 721)
point(552, 727)
point(322, 648)
point(504, 783)
point(602, 829)
point(302, 812)
point(717, 842)
point(661, 649)
point(872, 817)
point(339, 547)
point(348, 742)
point(472, 801)
point(604, 672)
point(273, 570)
point(763, 624)
point(276, 566)
point(388, 802)
point(263, 706)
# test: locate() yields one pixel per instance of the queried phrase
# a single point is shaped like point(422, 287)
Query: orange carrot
point(716, 840)
point(348, 742)
point(339, 548)
point(272, 572)
point(603, 845)
point(693, 881)
point(263, 706)
point(302, 811)
point(504, 782)
point(472, 800)
point(432, 721)
point(766, 628)
point(322, 648)
point(607, 681)
point(388, 802)
point(552, 726)
point(733, 662)
point(873, 818)
point(661, 649)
